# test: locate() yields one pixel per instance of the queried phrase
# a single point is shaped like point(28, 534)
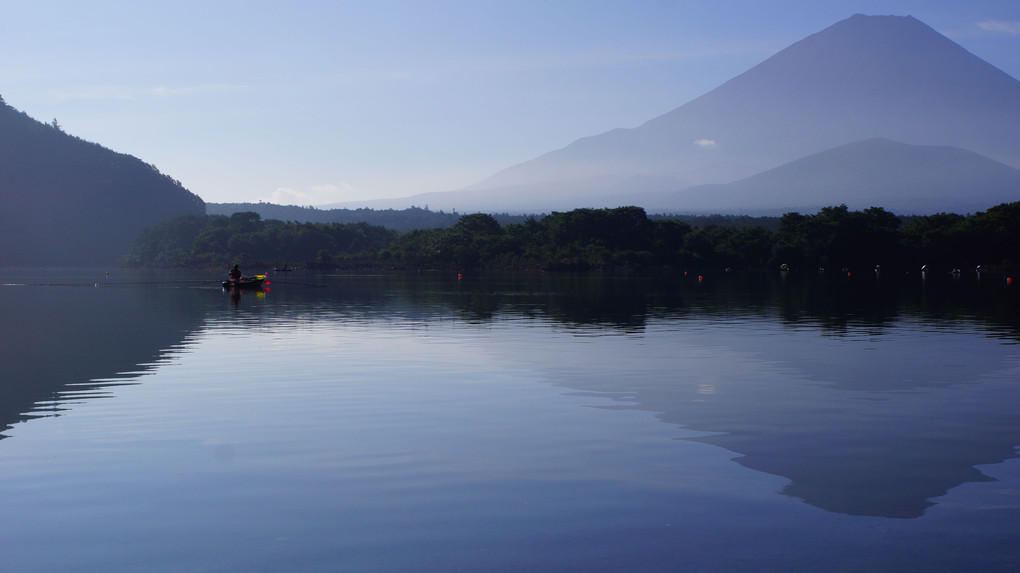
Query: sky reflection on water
point(509, 423)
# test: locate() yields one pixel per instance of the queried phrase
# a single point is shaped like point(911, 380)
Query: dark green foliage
point(944, 241)
point(579, 239)
point(412, 218)
point(716, 246)
point(477, 225)
point(168, 243)
point(935, 239)
point(218, 241)
point(587, 239)
point(398, 220)
point(738, 221)
point(402, 220)
point(668, 241)
point(995, 235)
point(66, 201)
point(838, 238)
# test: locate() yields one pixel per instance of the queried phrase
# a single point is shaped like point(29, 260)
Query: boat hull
point(255, 282)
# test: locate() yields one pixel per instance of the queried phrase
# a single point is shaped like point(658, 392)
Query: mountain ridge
point(746, 101)
point(67, 201)
point(872, 172)
point(864, 77)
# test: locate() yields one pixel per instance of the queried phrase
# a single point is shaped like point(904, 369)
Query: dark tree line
point(586, 239)
point(215, 240)
point(402, 220)
point(834, 238)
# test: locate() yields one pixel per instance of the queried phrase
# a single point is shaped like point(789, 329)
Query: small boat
point(246, 282)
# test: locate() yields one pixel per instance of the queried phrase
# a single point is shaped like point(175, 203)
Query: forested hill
point(401, 220)
point(404, 220)
point(67, 201)
point(624, 238)
point(395, 219)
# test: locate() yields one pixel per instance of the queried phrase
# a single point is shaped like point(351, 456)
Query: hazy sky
point(314, 102)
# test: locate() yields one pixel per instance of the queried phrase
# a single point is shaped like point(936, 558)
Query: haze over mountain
point(863, 78)
point(66, 201)
point(896, 176)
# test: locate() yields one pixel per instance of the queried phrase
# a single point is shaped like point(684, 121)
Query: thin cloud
point(706, 143)
point(316, 195)
point(1000, 27)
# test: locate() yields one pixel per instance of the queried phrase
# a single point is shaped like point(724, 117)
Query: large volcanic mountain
point(864, 78)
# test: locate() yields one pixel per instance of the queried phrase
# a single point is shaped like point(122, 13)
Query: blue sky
point(310, 102)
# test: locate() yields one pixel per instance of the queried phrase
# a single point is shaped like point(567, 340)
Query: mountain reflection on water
point(893, 390)
point(70, 335)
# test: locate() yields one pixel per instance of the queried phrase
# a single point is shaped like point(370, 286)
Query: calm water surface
point(353, 422)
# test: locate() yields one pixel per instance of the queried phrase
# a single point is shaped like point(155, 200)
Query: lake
point(509, 422)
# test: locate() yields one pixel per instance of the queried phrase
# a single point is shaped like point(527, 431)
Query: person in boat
point(235, 274)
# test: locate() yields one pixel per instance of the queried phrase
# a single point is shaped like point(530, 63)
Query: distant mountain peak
point(859, 18)
point(903, 178)
point(861, 78)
